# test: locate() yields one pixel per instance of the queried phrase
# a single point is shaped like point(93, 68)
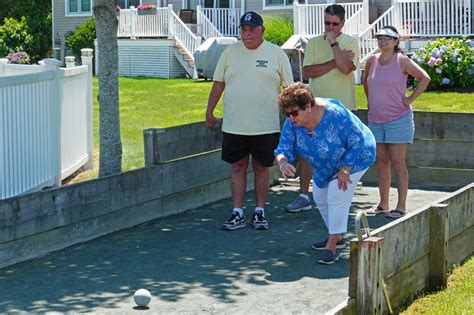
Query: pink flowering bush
point(21, 58)
point(146, 6)
point(449, 63)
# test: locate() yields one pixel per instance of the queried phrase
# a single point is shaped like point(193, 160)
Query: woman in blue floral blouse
point(339, 148)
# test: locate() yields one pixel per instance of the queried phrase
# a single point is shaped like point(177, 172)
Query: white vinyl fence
point(46, 124)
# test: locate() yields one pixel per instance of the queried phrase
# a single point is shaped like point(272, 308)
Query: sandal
point(376, 210)
point(396, 213)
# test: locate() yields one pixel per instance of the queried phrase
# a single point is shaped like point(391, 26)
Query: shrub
point(278, 29)
point(82, 37)
point(20, 58)
point(14, 36)
point(449, 63)
point(38, 18)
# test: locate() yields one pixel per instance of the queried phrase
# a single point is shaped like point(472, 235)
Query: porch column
point(296, 18)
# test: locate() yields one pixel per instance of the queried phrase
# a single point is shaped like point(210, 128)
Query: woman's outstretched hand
point(287, 169)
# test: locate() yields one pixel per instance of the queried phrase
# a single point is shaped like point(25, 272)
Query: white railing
point(46, 129)
point(182, 34)
point(225, 20)
point(308, 19)
point(367, 41)
point(206, 27)
point(358, 20)
point(134, 23)
point(434, 18)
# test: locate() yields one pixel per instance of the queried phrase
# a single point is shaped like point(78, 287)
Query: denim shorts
point(398, 131)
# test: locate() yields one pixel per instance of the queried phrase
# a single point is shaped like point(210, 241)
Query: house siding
point(63, 24)
point(147, 58)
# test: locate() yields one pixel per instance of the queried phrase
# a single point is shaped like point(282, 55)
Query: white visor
point(387, 32)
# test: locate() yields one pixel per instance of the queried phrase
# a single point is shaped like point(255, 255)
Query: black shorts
point(260, 147)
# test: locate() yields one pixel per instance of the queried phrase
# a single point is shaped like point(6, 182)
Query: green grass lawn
point(151, 103)
point(458, 298)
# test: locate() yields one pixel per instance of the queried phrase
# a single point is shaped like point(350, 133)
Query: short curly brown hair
point(295, 94)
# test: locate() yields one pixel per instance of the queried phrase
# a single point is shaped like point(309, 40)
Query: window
point(79, 7)
point(279, 4)
point(125, 4)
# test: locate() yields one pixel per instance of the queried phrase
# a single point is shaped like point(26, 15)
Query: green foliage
point(37, 14)
point(278, 29)
point(457, 298)
point(14, 36)
point(82, 37)
point(449, 63)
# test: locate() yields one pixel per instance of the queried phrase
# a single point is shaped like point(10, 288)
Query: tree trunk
point(110, 161)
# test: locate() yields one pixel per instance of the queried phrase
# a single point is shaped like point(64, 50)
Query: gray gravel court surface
point(190, 266)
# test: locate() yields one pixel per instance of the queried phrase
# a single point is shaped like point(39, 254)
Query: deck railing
point(46, 129)
point(205, 24)
point(134, 23)
point(308, 19)
point(434, 17)
point(182, 34)
point(225, 20)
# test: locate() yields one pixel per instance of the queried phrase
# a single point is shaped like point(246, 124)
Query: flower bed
point(449, 63)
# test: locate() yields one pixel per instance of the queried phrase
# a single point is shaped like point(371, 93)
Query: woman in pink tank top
point(390, 115)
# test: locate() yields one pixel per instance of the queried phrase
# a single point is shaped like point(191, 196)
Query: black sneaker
point(259, 221)
point(235, 222)
point(328, 257)
point(322, 245)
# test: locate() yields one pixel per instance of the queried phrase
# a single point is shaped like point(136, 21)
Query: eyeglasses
point(327, 23)
point(385, 37)
point(294, 113)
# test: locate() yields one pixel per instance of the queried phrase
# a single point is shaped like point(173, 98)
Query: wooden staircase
point(185, 60)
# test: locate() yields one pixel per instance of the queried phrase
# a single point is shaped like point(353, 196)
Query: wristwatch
point(336, 43)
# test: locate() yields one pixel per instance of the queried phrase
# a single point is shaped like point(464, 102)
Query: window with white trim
point(279, 4)
point(79, 7)
point(125, 4)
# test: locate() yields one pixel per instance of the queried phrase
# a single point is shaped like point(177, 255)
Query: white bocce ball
point(142, 297)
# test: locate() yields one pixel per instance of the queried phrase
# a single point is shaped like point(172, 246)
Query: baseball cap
point(252, 19)
point(387, 32)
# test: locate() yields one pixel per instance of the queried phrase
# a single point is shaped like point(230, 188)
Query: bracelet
point(344, 171)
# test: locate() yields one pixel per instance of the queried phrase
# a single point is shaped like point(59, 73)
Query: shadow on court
point(191, 266)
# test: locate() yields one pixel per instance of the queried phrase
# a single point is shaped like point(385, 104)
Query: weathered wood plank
point(461, 246)
point(405, 240)
point(461, 212)
point(353, 258)
point(429, 177)
point(34, 213)
point(180, 141)
point(369, 276)
point(437, 125)
point(403, 285)
point(441, 154)
point(439, 229)
point(40, 244)
point(201, 195)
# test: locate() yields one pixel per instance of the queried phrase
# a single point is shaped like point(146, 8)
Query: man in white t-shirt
point(251, 74)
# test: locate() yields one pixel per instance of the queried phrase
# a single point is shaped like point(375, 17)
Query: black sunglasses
point(385, 37)
point(293, 113)
point(327, 23)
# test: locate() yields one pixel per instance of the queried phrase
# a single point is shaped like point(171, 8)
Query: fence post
point(170, 20)
point(86, 56)
point(369, 294)
point(70, 61)
point(396, 14)
point(3, 61)
point(296, 18)
point(439, 236)
point(51, 64)
point(365, 14)
point(133, 21)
